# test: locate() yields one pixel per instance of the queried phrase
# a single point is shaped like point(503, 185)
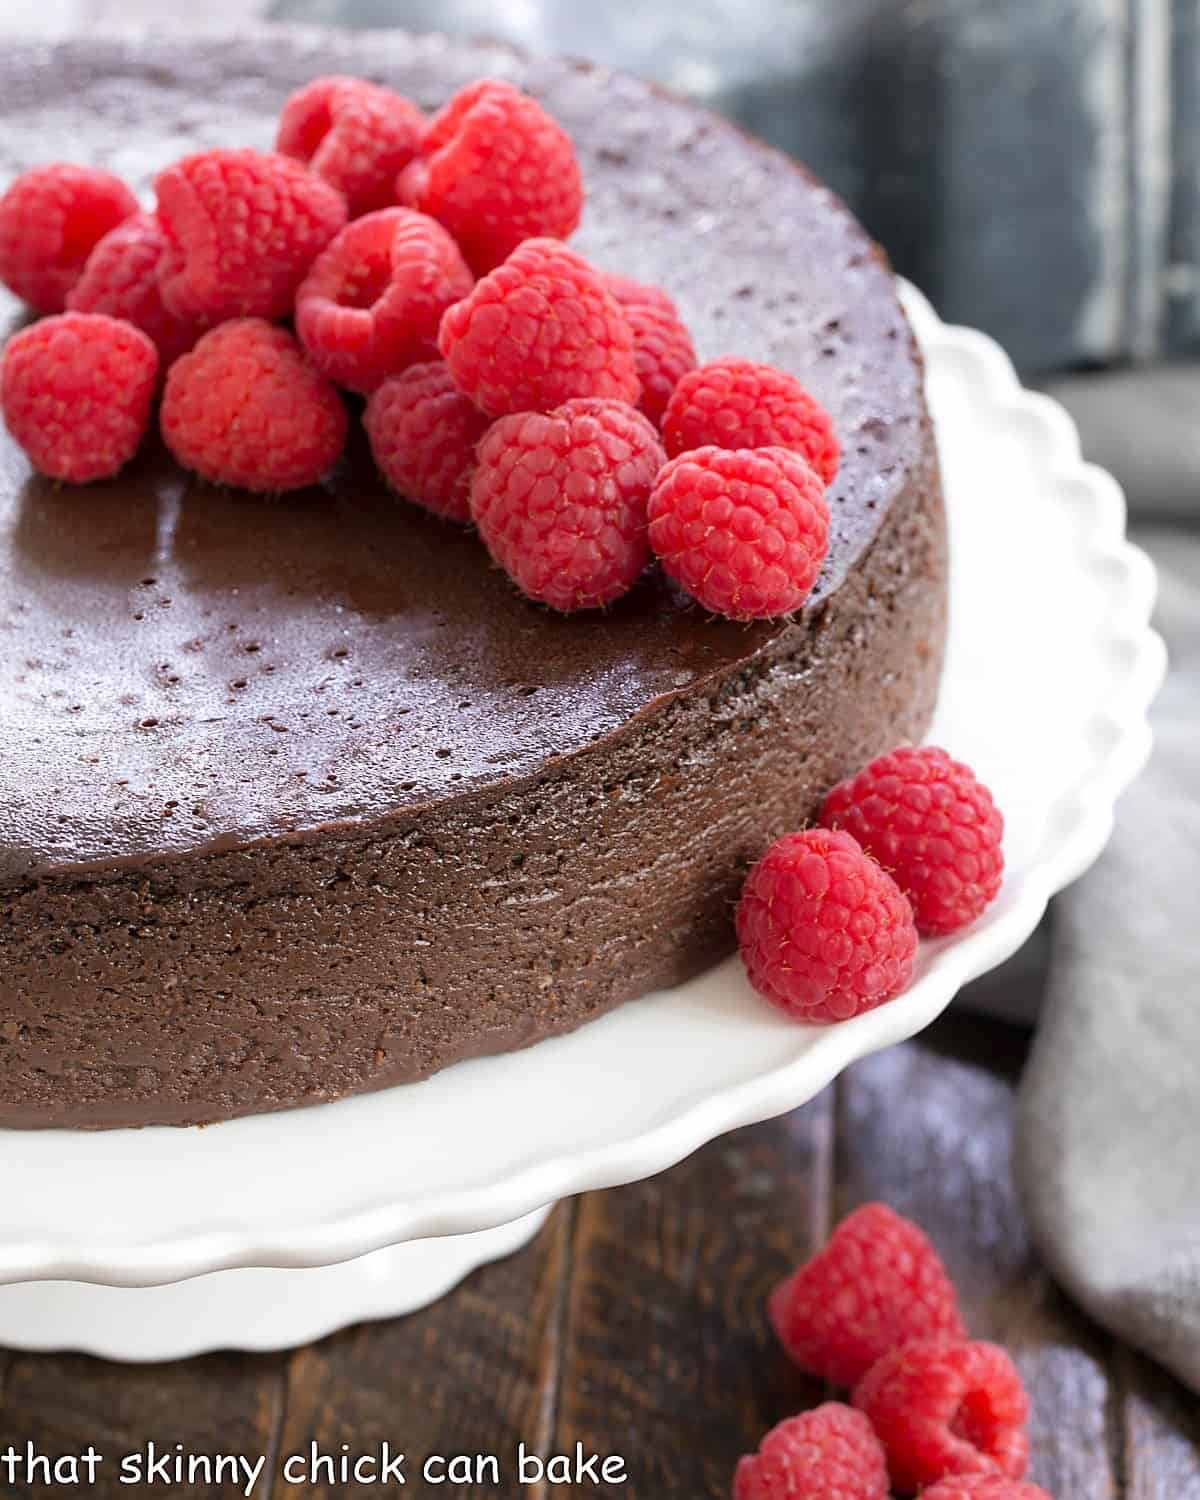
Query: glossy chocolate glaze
point(213, 702)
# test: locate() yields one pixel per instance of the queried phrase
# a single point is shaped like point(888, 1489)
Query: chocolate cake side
point(300, 799)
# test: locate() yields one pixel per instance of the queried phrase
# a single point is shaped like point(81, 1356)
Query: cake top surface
point(183, 668)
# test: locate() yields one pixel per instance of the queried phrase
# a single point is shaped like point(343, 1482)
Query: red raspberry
point(735, 403)
point(942, 1407)
point(354, 134)
point(50, 218)
point(662, 346)
point(744, 530)
point(423, 434)
point(242, 229)
point(877, 1283)
point(540, 330)
point(246, 408)
point(495, 170)
point(76, 392)
point(983, 1487)
point(829, 1453)
point(121, 279)
point(928, 821)
point(825, 934)
point(372, 302)
point(560, 500)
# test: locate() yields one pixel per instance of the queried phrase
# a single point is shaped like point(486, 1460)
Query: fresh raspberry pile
point(876, 1311)
point(76, 392)
point(735, 403)
point(372, 300)
point(662, 347)
point(946, 1406)
point(50, 218)
point(928, 820)
point(743, 530)
point(829, 1453)
point(354, 134)
point(824, 933)
point(366, 228)
point(539, 330)
point(242, 229)
point(877, 1283)
point(560, 500)
point(423, 433)
point(246, 408)
point(120, 279)
point(495, 169)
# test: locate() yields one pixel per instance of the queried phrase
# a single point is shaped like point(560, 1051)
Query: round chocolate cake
point(298, 796)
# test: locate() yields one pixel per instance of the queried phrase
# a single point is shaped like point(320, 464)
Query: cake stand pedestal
point(255, 1309)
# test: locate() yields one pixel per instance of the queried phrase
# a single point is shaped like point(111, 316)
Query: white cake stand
point(294, 1224)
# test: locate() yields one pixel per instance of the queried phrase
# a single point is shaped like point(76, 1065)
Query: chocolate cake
point(298, 797)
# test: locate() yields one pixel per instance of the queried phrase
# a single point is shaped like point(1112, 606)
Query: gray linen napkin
point(1108, 1143)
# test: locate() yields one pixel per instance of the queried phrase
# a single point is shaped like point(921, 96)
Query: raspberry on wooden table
point(121, 279)
point(984, 1487)
point(423, 433)
point(662, 346)
point(355, 134)
point(933, 824)
point(736, 403)
point(539, 330)
point(824, 933)
point(560, 500)
point(372, 300)
point(942, 1407)
point(495, 169)
point(242, 229)
point(829, 1453)
point(246, 408)
point(50, 218)
point(76, 391)
point(876, 1284)
point(744, 531)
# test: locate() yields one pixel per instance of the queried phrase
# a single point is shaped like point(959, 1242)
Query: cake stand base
point(254, 1310)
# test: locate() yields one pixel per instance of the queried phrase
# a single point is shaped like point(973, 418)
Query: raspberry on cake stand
point(295, 1223)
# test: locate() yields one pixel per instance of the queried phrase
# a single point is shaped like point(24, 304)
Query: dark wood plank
point(477, 1373)
point(220, 1403)
point(667, 1358)
point(1161, 1433)
point(927, 1127)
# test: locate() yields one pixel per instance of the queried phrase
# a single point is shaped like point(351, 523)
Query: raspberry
point(829, 1453)
point(50, 218)
point(246, 408)
point(983, 1487)
point(662, 346)
point(540, 330)
point(928, 821)
point(744, 531)
point(423, 433)
point(242, 229)
point(877, 1283)
point(76, 392)
point(735, 403)
point(354, 134)
point(495, 169)
point(825, 934)
point(121, 279)
point(560, 500)
point(373, 299)
point(943, 1407)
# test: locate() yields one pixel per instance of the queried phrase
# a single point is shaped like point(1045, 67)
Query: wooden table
point(634, 1324)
